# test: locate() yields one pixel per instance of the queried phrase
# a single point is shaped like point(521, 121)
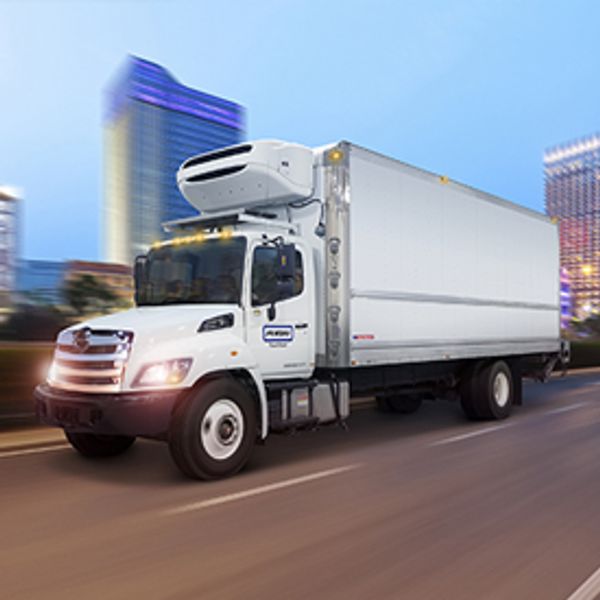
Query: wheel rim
point(222, 429)
point(501, 389)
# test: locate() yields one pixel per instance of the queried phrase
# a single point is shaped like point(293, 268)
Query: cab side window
point(264, 277)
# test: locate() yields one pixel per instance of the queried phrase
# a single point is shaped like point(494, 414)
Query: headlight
point(218, 322)
point(168, 372)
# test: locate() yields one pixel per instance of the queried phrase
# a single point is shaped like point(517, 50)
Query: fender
point(215, 353)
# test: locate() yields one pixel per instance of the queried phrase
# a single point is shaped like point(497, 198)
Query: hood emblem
point(81, 339)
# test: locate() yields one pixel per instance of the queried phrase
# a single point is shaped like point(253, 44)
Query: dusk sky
point(472, 89)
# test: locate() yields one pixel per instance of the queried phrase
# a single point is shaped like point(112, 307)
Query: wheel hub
point(222, 429)
point(227, 429)
point(501, 389)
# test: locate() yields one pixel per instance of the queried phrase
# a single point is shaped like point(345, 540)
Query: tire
point(467, 391)
point(99, 446)
point(212, 433)
point(494, 391)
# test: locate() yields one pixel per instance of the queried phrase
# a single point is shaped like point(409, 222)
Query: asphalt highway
point(426, 506)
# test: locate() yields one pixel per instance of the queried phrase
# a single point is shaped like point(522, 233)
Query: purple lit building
point(572, 182)
point(152, 124)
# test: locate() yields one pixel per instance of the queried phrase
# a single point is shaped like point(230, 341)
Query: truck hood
point(151, 323)
point(163, 333)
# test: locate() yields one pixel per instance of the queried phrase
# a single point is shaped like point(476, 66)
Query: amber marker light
point(335, 155)
point(226, 234)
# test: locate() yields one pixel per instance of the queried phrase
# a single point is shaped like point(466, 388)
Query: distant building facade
point(152, 124)
point(8, 247)
point(572, 190)
point(41, 281)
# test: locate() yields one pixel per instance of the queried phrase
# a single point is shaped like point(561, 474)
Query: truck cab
point(225, 306)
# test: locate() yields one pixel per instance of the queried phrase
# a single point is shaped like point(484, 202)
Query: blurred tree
point(589, 327)
point(85, 294)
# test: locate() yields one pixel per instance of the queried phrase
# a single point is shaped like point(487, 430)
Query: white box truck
point(310, 276)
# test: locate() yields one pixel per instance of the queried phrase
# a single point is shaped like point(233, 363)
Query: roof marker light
point(335, 155)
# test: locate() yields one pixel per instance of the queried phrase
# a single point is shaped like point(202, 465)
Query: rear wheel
point(495, 391)
point(487, 391)
point(99, 446)
point(212, 433)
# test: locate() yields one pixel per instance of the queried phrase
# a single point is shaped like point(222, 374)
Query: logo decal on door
point(277, 333)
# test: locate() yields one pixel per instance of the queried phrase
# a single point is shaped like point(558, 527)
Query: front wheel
point(99, 446)
point(212, 433)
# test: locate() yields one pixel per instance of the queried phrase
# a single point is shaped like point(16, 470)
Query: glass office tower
point(152, 124)
point(572, 181)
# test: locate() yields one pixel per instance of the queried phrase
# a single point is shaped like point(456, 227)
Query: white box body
point(433, 270)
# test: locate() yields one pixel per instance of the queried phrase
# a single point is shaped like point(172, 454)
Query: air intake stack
point(263, 173)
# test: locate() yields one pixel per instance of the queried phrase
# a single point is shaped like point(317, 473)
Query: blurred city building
point(566, 301)
point(572, 182)
point(8, 247)
point(40, 281)
point(116, 277)
point(43, 281)
point(152, 124)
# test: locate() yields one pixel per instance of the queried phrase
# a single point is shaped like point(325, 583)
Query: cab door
point(280, 326)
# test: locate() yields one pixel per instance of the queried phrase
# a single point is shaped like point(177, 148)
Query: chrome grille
point(100, 349)
point(88, 360)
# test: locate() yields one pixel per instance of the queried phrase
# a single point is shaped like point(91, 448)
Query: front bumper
point(133, 414)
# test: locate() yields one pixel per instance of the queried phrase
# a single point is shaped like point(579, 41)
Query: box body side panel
point(440, 271)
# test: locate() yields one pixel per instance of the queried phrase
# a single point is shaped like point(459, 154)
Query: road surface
point(417, 507)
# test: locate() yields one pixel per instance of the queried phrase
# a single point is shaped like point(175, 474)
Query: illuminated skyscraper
point(152, 124)
point(572, 179)
point(8, 247)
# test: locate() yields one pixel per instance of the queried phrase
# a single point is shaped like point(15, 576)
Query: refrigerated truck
point(308, 277)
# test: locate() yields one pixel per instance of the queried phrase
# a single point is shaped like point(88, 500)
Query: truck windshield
point(197, 273)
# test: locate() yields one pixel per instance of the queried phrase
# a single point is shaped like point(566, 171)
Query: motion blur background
point(101, 101)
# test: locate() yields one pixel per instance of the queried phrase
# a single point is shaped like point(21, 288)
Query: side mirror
point(285, 272)
point(286, 261)
point(284, 289)
point(139, 276)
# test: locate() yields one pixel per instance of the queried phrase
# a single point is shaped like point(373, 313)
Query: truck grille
point(92, 361)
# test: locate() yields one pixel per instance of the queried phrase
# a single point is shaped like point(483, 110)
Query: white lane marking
point(563, 409)
point(271, 487)
point(466, 436)
point(589, 589)
point(26, 451)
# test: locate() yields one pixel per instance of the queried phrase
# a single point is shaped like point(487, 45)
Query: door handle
point(301, 325)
